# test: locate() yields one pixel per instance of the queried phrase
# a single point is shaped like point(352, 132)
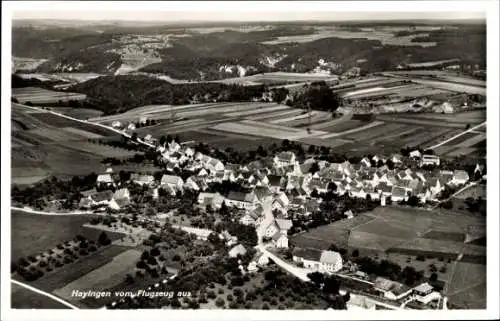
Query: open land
point(43, 96)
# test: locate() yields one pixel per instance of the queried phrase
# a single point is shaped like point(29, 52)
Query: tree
point(413, 201)
point(316, 278)
point(103, 239)
point(355, 253)
point(314, 168)
point(134, 136)
point(155, 251)
point(220, 302)
point(433, 277)
point(129, 279)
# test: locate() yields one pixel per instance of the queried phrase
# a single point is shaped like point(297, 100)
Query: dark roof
point(236, 196)
point(102, 196)
point(307, 254)
point(274, 180)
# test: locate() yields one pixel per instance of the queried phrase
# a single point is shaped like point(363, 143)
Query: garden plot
point(103, 277)
point(365, 127)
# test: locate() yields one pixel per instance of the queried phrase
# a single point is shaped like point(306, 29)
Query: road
point(458, 135)
point(32, 211)
point(53, 297)
point(268, 217)
point(471, 184)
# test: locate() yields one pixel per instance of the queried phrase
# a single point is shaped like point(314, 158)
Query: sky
point(250, 11)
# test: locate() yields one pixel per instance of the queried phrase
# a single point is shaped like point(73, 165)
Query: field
point(33, 233)
point(22, 298)
point(278, 78)
point(385, 35)
point(397, 230)
point(79, 113)
point(467, 288)
point(474, 192)
point(104, 277)
point(46, 144)
point(73, 271)
point(43, 96)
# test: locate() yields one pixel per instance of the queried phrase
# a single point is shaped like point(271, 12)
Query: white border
point(491, 9)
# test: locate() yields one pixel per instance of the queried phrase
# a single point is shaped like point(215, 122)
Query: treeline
point(19, 82)
point(121, 93)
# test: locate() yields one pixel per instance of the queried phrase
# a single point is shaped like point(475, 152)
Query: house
point(429, 160)
point(283, 159)
point(271, 230)
point(214, 165)
point(262, 192)
point(104, 180)
point(365, 162)
point(237, 250)
point(280, 240)
point(249, 219)
point(191, 184)
point(284, 225)
point(214, 199)
point(460, 177)
point(173, 146)
point(142, 179)
point(173, 181)
point(122, 193)
point(415, 154)
point(397, 159)
point(117, 204)
point(360, 303)
point(116, 124)
point(316, 260)
point(425, 293)
point(148, 138)
point(242, 200)
point(349, 214)
point(435, 186)
point(479, 169)
point(391, 290)
point(274, 182)
point(260, 260)
point(131, 126)
point(399, 194)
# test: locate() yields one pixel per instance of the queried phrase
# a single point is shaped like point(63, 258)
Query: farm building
point(321, 261)
point(242, 200)
point(391, 290)
point(104, 180)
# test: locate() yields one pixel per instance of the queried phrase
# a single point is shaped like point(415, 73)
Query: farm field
point(43, 96)
point(467, 288)
point(22, 298)
point(277, 78)
point(33, 233)
point(393, 229)
point(79, 113)
point(104, 277)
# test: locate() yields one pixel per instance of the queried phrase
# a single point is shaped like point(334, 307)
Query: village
point(274, 188)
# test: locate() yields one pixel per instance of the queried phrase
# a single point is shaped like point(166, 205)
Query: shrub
point(229, 297)
point(265, 306)
point(420, 258)
point(211, 295)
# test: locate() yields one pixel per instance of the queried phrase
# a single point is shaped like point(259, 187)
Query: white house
point(320, 261)
point(398, 194)
point(242, 200)
point(214, 165)
point(415, 154)
point(280, 240)
point(214, 199)
point(172, 181)
point(116, 124)
point(425, 293)
point(142, 179)
point(283, 159)
point(429, 160)
point(390, 289)
point(131, 126)
point(271, 230)
point(105, 180)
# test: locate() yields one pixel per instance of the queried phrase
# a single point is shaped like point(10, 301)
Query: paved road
point(296, 271)
point(53, 297)
point(458, 135)
point(268, 217)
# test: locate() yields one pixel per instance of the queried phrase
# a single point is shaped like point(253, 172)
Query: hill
point(121, 93)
